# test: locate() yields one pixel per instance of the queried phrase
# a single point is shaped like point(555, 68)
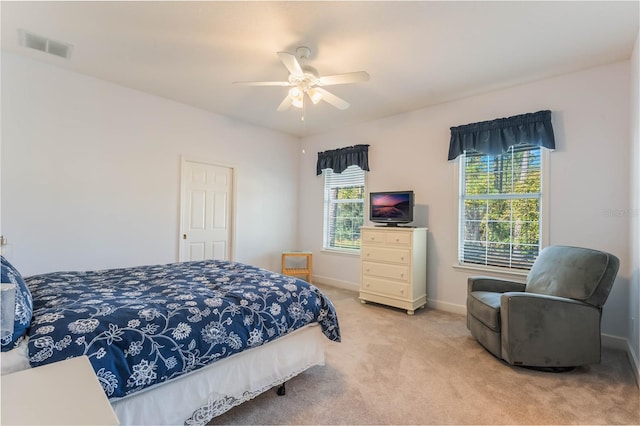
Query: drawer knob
point(402, 258)
point(397, 240)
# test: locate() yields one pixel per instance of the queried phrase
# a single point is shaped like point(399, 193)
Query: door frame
point(232, 206)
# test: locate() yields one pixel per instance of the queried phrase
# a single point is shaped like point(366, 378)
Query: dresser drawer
point(373, 236)
point(390, 255)
point(387, 288)
point(395, 272)
point(398, 238)
point(391, 238)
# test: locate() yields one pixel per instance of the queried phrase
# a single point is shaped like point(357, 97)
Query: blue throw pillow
point(24, 305)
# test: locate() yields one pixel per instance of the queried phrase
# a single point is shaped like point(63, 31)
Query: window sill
point(355, 253)
point(509, 273)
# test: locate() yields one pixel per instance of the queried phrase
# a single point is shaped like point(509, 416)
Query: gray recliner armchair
point(551, 321)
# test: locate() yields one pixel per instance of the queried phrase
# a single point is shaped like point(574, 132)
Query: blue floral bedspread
point(146, 325)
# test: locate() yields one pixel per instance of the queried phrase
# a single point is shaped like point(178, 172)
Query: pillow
point(24, 305)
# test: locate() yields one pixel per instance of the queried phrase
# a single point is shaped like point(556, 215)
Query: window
point(343, 208)
point(500, 208)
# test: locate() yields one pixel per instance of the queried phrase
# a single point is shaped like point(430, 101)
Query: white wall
point(91, 173)
point(634, 299)
point(589, 172)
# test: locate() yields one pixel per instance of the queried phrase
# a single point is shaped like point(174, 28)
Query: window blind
point(500, 208)
point(343, 208)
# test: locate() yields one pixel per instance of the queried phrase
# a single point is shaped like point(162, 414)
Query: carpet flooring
point(396, 369)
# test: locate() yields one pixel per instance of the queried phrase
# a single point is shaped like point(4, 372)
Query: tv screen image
point(391, 207)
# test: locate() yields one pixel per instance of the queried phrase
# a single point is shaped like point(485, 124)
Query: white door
point(205, 211)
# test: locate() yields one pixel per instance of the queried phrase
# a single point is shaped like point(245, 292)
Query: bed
point(175, 343)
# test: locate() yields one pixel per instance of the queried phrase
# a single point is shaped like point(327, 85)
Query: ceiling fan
point(304, 80)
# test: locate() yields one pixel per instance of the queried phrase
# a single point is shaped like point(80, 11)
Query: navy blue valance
point(495, 137)
point(339, 159)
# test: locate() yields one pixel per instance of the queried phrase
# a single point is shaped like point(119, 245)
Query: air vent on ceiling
point(34, 41)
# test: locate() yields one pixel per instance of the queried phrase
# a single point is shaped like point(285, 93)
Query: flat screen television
point(391, 208)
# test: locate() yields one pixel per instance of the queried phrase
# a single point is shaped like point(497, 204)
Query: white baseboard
point(635, 364)
point(633, 358)
point(615, 342)
point(347, 285)
point(623, 344)
point(447, 307)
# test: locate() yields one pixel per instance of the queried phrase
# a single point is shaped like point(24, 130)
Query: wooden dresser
point(394, 266)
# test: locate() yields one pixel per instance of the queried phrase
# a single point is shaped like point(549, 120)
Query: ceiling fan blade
point(291, 63)
point(285, 104)
point(263, 83)
point(333, 99)
point(346, 78)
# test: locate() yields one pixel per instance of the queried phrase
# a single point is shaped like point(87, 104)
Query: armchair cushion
point(573, 272)
point(483, 298)
point(485, 307)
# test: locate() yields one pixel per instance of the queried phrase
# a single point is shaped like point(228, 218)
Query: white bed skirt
point(210, 391)
point(16, 359)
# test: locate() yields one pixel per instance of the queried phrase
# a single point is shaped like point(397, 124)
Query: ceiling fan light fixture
point(295, 92)
point(297, 96)
point(315, 96)
point(298, 102)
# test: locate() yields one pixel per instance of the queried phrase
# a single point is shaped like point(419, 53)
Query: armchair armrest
point(496, 285)
point(538, 328)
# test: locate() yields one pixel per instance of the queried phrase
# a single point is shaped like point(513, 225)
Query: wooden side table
point(62, 393)
point(298, 270)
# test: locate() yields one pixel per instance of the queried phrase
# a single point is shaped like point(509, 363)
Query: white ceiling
point(417, 53)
